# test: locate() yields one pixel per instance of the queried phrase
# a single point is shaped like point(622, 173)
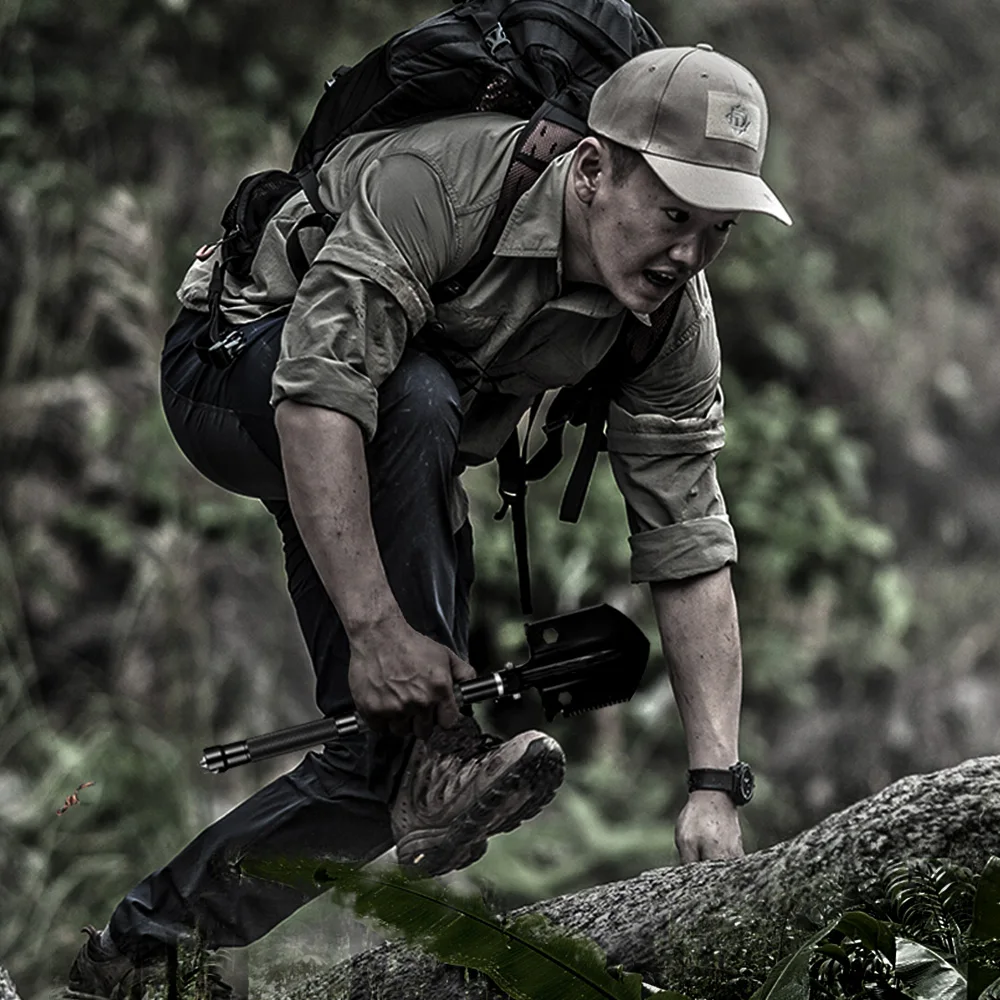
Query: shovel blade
point(584, 660)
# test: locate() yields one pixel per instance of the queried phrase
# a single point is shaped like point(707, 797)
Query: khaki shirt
point(414, 205)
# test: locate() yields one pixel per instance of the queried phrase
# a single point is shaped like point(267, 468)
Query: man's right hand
point(402, 681)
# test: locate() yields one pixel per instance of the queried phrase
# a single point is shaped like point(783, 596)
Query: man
point(355, 404)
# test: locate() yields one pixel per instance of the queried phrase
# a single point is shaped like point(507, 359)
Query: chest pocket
point(558, 349)
point(468, 329)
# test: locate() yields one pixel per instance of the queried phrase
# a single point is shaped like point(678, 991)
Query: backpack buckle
point(495, 39)
point(225, 351)
point(511, 496)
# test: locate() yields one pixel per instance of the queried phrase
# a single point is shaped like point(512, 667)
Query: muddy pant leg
point(335, 803)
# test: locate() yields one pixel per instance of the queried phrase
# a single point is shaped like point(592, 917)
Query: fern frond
point(528, 957)
point(931, 900)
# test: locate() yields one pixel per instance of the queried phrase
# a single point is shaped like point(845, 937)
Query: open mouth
point(661, 279)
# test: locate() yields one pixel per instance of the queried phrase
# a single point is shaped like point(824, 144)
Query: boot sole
point(437, 850)
point(118, 992)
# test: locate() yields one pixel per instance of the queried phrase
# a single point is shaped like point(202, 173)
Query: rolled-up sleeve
point(366, 290)
point(665, 428)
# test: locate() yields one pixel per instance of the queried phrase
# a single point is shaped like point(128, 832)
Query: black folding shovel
point(579, 661)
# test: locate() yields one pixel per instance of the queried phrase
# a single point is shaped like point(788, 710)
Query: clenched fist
point(404, 682)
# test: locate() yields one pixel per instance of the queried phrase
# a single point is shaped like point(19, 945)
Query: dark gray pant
point(334, 803)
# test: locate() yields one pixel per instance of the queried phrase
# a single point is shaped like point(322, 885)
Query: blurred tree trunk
point(663, 919)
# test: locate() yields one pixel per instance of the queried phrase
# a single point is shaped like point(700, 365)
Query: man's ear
point(589, 168)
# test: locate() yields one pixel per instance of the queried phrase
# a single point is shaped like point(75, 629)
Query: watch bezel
point(744, 783)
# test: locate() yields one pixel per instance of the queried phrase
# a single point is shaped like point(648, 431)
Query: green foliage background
point(142, 610)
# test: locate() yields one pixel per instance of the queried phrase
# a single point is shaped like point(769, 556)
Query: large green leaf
point(927, 974)
point(789, 979)
point(528, 957)
point(985, 926)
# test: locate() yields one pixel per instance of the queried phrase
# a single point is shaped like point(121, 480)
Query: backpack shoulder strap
point(540, 142)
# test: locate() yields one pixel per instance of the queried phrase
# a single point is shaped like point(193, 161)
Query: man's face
point(639, 240)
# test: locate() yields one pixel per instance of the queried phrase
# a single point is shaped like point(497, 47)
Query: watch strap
point(737, 781)
point(710, 779)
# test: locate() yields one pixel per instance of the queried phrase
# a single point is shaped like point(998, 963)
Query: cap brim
point(716, 188)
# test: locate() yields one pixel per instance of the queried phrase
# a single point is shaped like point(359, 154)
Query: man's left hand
point(708, 828)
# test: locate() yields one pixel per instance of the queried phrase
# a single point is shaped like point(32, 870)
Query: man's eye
point(677, 215)
point(724, 227)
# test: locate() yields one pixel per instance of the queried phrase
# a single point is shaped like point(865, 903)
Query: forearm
point(701, 644)
point(326, 475)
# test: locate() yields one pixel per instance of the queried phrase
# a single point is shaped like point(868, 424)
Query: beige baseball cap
point(700, 121)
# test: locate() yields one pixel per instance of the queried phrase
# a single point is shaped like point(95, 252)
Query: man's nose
point(689, 251)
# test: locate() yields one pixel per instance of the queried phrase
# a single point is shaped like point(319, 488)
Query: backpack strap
point(512, 486)
point(297, 259)
point(634, 350)
point(594, 441)
point(307, 177)
point(584, 403)
point(540, 142)
point(215, 347)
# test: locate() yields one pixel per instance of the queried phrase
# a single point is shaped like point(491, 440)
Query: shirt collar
point(535, 229)
point(534, 226)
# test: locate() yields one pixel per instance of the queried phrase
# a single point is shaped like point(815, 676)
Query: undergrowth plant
point(933, 933)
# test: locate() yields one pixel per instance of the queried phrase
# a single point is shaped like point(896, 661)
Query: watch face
point(743, 783)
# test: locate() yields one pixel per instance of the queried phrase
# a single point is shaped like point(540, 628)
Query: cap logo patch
point(732, 118)
point(739, 117)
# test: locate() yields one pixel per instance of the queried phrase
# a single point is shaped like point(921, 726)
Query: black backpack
point(536, 59)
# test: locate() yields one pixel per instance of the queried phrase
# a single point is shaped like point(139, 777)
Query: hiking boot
point(101, 972)
point(461, 786)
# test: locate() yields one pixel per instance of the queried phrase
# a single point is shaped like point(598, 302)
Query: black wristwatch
point(737, 782)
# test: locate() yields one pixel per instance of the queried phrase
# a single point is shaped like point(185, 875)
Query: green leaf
point(874, 934)
point(985, 926)
point(927, 974)
point(789, 979)
point(930, 899)
point(528, 957)
point(834, 951)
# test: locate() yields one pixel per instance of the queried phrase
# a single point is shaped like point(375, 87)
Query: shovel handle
point(226, 755)
point(567, 652)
